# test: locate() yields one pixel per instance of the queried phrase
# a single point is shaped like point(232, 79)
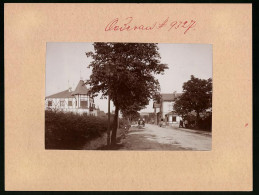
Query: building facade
point(164, 109)
point(77, 101)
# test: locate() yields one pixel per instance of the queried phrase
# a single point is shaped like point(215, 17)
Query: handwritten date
point(129, 24)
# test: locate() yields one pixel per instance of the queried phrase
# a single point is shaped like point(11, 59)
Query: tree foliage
point(132, 111)
point(197, 96)
point(126, 72)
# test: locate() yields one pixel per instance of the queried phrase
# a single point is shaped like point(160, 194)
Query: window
point(62, 103)
point(75, 103)
point(174, 118)
point(49, 103)
point(83, 104)
point(69, 103)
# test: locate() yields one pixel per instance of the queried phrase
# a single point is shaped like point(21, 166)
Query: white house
point(77, 101)
point(165, 109)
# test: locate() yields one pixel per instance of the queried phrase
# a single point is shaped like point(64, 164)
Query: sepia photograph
point(128, 96)
point(120, 96)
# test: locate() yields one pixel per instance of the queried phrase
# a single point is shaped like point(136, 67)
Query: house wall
point(57, 103)
point(156, 110)
point(167, 106)
point(76, 107)
point(170, 119)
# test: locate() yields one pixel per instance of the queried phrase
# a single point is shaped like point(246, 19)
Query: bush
point(71, 131)
point(123, 122)
point(205, 124)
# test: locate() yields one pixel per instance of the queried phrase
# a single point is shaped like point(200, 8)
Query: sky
point(66, 64)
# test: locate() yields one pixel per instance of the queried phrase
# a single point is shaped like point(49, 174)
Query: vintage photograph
point(128, 96)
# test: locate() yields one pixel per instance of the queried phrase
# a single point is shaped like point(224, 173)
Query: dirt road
point(152, 137)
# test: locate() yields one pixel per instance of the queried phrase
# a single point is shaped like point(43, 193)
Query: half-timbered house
point(77, 101)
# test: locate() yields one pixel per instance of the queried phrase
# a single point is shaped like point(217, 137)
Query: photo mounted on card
point(128, 96)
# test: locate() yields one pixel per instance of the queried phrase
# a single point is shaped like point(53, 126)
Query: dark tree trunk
point(115, 126)
point(197, 118)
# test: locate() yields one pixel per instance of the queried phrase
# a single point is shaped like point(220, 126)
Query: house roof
point(155, 105)
point(62, 94)
point(169, 96)
point(171, 113)
point(80, 89)
point(144, 113)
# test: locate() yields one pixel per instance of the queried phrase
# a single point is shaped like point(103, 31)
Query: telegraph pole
point(109, 105)
point(108, 129)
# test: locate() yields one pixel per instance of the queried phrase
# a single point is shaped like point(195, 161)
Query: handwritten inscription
point(129, 24)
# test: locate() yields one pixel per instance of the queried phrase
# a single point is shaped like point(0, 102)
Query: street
point(153, 137)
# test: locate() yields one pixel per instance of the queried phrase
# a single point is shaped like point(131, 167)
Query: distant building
point(148, 116)
point(165, 109)
point(151, 118)
point(77, 101)
point(100, 113)
point(143, 114)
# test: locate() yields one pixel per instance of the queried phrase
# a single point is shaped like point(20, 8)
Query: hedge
point(71, 131)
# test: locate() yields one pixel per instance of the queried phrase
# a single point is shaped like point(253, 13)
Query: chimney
point(69, 87)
